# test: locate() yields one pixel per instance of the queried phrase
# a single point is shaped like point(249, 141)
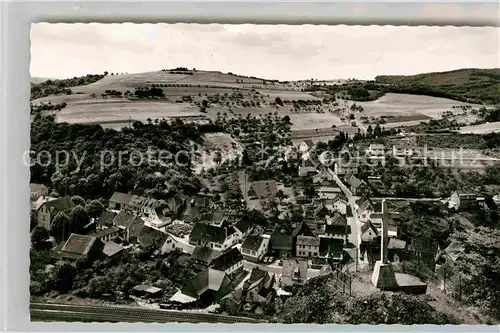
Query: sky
point(283, 52)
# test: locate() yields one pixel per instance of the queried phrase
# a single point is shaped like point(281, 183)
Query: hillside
point(468, 85)
point(319, 302)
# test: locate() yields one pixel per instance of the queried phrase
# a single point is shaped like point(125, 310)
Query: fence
point(342, 280)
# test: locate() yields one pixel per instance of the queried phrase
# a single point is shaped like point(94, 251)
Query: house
point(130, 224)
point(326, 193)
point(402, 150)
point(263, 190)
point(376, 149)
point(339, 203)
point(203, 256)
point(343, 168)
point(331, 248)
point(217, 237)
point(197, 207)
point(78, 246)
point(152, 239)
point(306, 146)
point(365, 207)
point(148, 206)
point(144, 290)
point(307, 246)
point(159, 217)
point(358, 187)
point(396, 249)
point(112, 249)
point(323, 178)
point(107, 234)
point(243, 227)
point(255, 247)
point(49, 209)
point(321, 211)
point(176, 206)
point(294, 272)
point(208, 286)
point(229, 262)
point(259, 287)
point(461, 200)
point(119, 201)
point(369, 232)
point(105, 220)
point(452, 252)
point(37, 191)
point(336, 227)
point(281, 243)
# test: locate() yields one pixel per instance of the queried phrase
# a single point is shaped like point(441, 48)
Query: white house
point(306, 145)
point(215, 237)
point(255, 247)
point(376, 149)
point(402, 150)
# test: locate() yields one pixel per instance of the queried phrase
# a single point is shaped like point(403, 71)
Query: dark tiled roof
point(256, 274)
point(149, 237)
point(227, 259)
point(330, 246)
point(210, 233)
point(307, 240)
point(244, 225)
point(59, 204)
point(104, 232)
point(281, 241)
point(252, 242)
point(204, 254)
point(125, 219)
point(338, 220)
point(302, 229)
point(106, 218)
point(121, 198)
point(78, 244)
point(368, 225)
point(208, 280)
point(348, 211)
point(321, 210)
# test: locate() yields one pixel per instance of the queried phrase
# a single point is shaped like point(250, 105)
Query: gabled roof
point(281, 240)
point(111, 248)
point(308, 142)
point(104, 232)
point(59, 205)
point(208, 280)
point(106, 218)
point(126, 219)
point(302, 229)
point(78, 245)
point(355, 182)
point(243, 225)
point(321, 209)
point(149, 237)
point(368, 225)
point(121, 198)
point(397, 244)
point(252, 242)
point(137, 201)
point(377, 146)
point(307, 240)
point(37, 190)
point(211, 233)
point(366, 205)
point(330, 247)
point(204, 254)
point(340, 197)
point(227, 259)
point(337, 220)
point(348, 211)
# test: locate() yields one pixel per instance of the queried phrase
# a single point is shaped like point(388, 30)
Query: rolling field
point(119, 110)
point(398, 105)
point(482, 128)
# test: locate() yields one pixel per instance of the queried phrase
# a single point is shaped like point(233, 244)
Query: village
point(338, 228)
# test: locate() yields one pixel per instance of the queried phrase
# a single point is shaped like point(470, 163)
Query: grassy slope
point(464, 84)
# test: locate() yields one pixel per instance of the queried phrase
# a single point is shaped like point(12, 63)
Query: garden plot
point(287, 95)
point(116, 111)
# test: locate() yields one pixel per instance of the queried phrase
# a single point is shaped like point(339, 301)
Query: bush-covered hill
point(319, 302)
point(53, 87)
point(468, 85)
